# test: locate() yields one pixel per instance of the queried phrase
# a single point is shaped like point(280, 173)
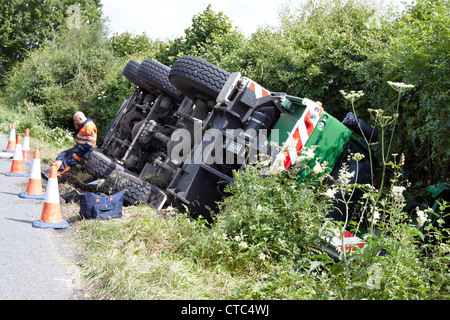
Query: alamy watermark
point(74, 19)
point(228, 147)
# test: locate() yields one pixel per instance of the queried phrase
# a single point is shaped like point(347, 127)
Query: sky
point(168, 19)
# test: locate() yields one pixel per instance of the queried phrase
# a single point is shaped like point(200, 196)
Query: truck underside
point(185, 129)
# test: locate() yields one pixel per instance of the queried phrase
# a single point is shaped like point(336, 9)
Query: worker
point(85, 141)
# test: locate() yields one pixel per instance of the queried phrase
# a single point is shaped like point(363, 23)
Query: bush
point(210, 37)
point(417, 54)
point(77, 70)
point(61, 75)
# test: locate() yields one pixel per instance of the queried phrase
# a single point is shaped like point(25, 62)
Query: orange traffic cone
point(26, 147)
point(17, 169)
point(34, 188)
point(12, 139)
point(51, 212)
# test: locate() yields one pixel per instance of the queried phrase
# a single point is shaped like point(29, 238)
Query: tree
point(207, 29)
point(126, 43)
point(25, 25)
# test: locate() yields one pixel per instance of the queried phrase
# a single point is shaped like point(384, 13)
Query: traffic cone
point(34, 188)
point(17, 169)
point(51, 212)
point(12, 139)
point(26, 147)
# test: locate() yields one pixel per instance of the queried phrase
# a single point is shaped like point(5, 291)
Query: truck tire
point(130, 72)
point(191, 76)
point(137, 190)
point(98, 165)
point(156, 74)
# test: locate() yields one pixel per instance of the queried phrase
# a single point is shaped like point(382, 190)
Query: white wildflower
point(265, 163)
point(243, 245)
point(259, 208)
point(397, 192)
point(421, 218)
point(307, 154)
point(400, 86)
point(237, 238)
point(344, 177)
point(317, 168)
point(281, 156)
point(330, 193)
point(290, 144)
point(356, 156)
point(352, 96)
point(377, 112)
point(262, 256)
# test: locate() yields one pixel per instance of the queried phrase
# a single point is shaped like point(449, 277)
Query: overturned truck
point(185, 129)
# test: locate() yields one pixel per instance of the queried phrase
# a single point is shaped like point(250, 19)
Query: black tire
point(130, 72)
point(137, 191)
point(156, 74)
point(192, 75)
point(116, 179)
point(99, 165)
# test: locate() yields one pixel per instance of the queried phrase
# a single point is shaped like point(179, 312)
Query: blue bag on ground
point(101, 206)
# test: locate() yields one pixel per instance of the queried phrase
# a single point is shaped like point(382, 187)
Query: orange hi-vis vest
point(87, 135)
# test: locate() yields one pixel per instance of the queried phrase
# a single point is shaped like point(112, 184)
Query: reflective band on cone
point(17, 169)
point(26, 147)
point(12, 139)
point(51, 212)
point(34, 189)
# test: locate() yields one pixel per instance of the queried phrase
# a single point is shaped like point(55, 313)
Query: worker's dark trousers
point(70, 158)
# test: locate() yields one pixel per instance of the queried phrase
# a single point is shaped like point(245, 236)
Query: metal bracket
point(230, 84)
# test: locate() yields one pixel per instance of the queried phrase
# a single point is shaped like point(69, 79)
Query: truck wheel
point(191, 76)
point(99, 165)
point(130, 72)
point(138, 191)
point(157, 75)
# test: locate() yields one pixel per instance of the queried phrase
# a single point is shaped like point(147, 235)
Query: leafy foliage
point(125, 44)
point(61, 74)
point(75, 71)
point(210, 31)
point(25, 25)
point(417, 53)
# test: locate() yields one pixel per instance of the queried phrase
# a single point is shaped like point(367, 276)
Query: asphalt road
point(35, 264)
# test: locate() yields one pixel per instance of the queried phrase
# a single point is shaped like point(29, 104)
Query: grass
point(50, 141)
point(134, 258)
